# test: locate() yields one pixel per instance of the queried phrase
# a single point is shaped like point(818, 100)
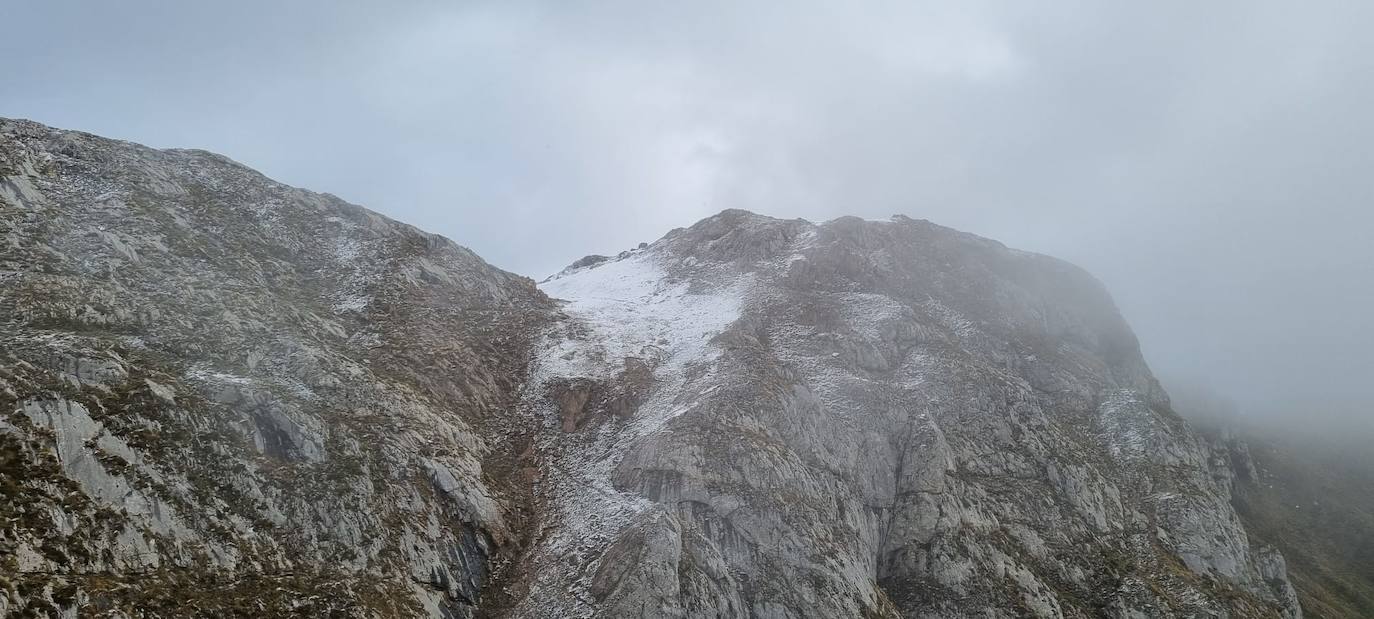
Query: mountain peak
point(210, 377)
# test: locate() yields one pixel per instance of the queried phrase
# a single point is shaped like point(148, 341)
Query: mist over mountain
point(226, 396)
point(1206, 162)
point(708, 309)
point(1307, 490)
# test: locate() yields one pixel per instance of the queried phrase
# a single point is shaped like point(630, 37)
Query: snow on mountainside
point(226, 396)
point(625, 322)
point(781, 419)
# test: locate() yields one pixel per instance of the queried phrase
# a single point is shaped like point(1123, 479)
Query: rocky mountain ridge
point(873, 419)
point(223, 394)
point(226, 396)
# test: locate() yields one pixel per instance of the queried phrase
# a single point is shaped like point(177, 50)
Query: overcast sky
point(1211, 162)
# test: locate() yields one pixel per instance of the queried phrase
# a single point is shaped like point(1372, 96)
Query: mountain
point(226, 396)
point(1314, 503)
point(776, 418)
point(1303, 486)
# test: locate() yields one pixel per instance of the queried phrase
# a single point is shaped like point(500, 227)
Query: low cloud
point(1208, 162)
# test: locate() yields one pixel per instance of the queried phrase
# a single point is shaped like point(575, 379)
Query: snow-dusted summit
point(758, 417)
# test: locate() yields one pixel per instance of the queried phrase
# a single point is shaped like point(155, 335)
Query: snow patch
point(626, 307)
point(1131, 430)
point(200, 372)
point(632, 309)
point(352, 303)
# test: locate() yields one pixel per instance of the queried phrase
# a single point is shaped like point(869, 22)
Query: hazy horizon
point(1207, 163)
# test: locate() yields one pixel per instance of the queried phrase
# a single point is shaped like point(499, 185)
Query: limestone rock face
point(882, 419)
point(224, 395)
point(220, 395)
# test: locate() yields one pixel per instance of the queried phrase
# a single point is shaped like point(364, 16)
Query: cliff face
point(781, 419)
point(221, 394)
point(224, 395)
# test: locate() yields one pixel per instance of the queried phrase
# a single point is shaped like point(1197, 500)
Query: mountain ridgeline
point(224, 396)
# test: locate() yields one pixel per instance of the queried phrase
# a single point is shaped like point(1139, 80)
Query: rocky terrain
point(781, 419)
point(1316, 504)
point(1305, 484)
point(223, 396)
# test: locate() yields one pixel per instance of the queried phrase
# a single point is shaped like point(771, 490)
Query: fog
point(1210, 162)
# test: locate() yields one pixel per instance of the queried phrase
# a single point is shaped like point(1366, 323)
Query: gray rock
point(226, 394)
point(886, 419)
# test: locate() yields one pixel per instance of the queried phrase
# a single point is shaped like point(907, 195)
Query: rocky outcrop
point(867, 418)
point(223, 395)
point(220, 396)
